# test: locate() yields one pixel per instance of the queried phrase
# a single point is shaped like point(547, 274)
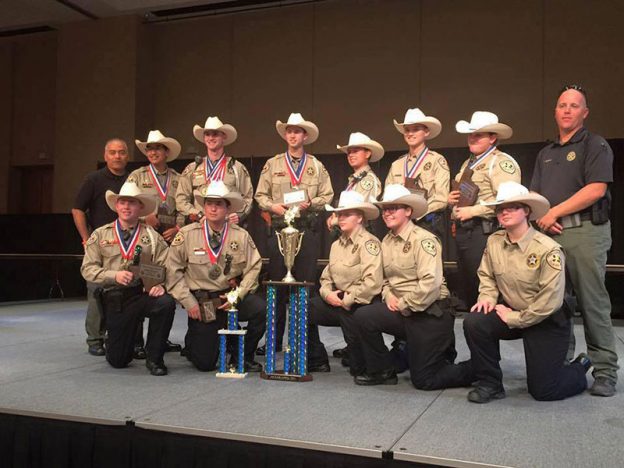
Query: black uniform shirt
point(562, 170)
point(91, 196)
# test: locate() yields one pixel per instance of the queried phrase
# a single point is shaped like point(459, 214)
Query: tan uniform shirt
point(236, 179)
point(368, 185)
point(102, 259)
point(355, 267)
point(188, 263)
point(315, 180)
point(529, 274)
point(413, 273)
point(434, 176)
point(496, 168)
point(143, 178)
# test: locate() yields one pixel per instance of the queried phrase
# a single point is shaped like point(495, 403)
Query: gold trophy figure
point(289, 242)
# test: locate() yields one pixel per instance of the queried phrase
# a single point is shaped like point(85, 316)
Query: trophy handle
point(279, 242)
point(299, 243)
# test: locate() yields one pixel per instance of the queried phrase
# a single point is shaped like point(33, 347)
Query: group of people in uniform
point(514, 272)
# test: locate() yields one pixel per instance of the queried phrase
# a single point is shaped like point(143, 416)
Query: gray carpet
point(46, 371)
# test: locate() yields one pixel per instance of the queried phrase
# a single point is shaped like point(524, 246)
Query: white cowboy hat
point(482, 121)
point(397, 194)
point(352, 200)
point(217, 190)
point(513, 192)
point(154, 136)
point(297, 120)
point(214, 123)
point(416, 116)
point(132, 190)
point(358, 139)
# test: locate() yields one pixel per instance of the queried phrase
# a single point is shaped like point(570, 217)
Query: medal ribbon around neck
point(421, 157)
point(295, 175)
point(214, 256)
point(482, 157)
point(162, 191)
point(127, 250)
point(217, 170)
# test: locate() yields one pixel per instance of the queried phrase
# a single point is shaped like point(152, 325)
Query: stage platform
point(46, 372)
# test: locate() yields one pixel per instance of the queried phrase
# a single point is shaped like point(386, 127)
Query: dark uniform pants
point(545, 347)
point(321, 313)
point(470, 241)
point(122, 317)
point(202, 339)
point(428, 337)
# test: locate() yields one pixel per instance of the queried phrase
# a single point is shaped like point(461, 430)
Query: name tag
point(294, 197)
point(199, 252)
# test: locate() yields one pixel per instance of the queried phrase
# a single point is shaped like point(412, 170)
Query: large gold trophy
point(289, 242)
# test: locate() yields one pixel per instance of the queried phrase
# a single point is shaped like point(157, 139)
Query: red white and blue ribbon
point(162, 191)
point(212, 254)
point(295, 175)
point(482, 157)
point(409, 173)
point(214, 171)
point(126, 248)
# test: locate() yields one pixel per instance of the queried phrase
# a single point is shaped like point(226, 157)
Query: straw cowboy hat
point(416, 116)
point(397, 194)
point(360, 140)
point(482, 121)
point(132, 190)
point(217, 190)
point(153, 137)
point(296, 120)
point(214, 123)
point(352, 200)
point(513, 192)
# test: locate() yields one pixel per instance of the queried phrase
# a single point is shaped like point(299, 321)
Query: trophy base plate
point(231, 375)
point(280, 375)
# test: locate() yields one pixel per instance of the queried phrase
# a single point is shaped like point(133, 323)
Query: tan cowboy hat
point(482, 121)
point(416, 116)
point(154, 136)
point(397, 194)
point(214, 123)
point(132, 190)
point(217, 190)
point(360, 140)
point(513, 192)
point(352, 200)
point(297, 120)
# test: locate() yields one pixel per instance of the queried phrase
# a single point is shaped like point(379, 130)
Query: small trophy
point(289, 242)
point(414, 185)
point(468, 190)
point(147, 271)
point(233, 372)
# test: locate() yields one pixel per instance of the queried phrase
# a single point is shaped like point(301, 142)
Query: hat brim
point(368, 210)
point(149, 202)
point(310, 128)
point(433, 124)
point(538, 203)
point(503, 131)
point(417, 203)
point(172, 145)
point(377, 151)
point(234, 198)
point(230, 133)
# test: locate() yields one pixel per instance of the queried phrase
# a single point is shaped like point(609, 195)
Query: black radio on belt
point(600, 210)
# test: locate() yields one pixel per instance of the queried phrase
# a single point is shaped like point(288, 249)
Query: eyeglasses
point(509, 207)
point(392, 208)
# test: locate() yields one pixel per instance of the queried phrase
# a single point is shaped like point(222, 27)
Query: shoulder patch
point(507, 166)
point(372, 247)
point(366, 183)
point(533, 261)
point(92, 239)
point(429, 246)
point(554, 259)
point(443, 163)
point(188, 169)
point(265, 168)
point(178, 239)
point(251, 243)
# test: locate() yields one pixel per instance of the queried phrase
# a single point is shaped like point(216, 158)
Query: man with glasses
point(574, 173)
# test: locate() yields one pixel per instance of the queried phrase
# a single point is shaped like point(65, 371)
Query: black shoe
point(261, 351)
point(345, 362)
point(139, 352)
point(172, 347)
point(603, 387)
point(156, 368)
point(184, 352)
point(324, 367)
point(583, 360)
point(97, 350)
point(253, 366)
point(388, 377)
point(341, 353)
point(486, 394)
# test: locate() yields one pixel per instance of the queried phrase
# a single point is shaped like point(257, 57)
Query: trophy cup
point(289, 243)
point(233, 372)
